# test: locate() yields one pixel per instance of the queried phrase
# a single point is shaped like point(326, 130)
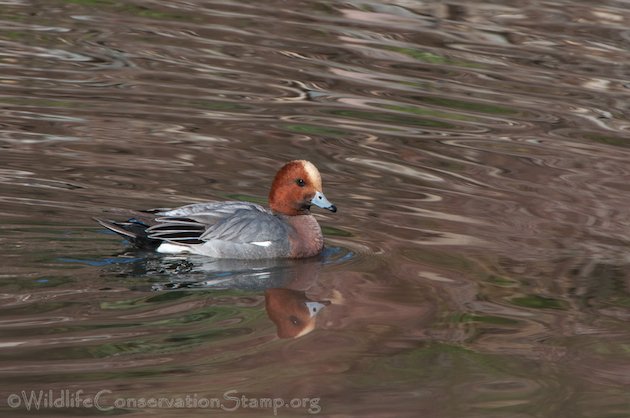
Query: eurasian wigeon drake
point(239, 230)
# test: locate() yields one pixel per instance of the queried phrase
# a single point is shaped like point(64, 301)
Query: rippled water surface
point(478, 153)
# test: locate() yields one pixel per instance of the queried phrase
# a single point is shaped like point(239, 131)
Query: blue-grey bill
point(320, 200)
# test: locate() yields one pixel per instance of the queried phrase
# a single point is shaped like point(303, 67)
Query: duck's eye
point(294, 320)
point(300, 182)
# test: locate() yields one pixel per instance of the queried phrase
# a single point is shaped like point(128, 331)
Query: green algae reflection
point(466, 318)
point(432, 58)
point(126, 8)
point(492, 109)
point(303, 128)
point(392, 118)
point(608, 140)
point(538, 302)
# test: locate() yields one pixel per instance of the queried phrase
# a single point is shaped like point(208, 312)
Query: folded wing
point(234, 222)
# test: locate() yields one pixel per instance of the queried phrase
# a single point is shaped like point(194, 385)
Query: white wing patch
point(261, 243)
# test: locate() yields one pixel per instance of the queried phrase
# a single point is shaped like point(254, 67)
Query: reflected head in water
point(238, 230)
point(292, 311)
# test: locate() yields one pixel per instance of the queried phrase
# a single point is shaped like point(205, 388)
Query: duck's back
point(223, 230)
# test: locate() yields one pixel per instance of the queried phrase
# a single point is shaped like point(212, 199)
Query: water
point(478, 154)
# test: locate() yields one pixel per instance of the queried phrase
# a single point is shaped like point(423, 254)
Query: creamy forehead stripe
point(313, 174)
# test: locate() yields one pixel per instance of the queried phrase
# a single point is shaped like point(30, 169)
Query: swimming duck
point(239, 230)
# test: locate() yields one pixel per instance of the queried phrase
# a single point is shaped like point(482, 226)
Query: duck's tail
point(133, 230)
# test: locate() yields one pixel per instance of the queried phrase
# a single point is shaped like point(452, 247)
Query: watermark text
point(106, 400)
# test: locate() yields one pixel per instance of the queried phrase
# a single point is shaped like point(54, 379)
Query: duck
point(236, 229)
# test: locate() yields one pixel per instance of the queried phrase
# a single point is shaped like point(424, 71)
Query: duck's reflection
point(285, 283)
point(292, 311)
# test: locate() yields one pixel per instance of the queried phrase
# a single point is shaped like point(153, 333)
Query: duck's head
point(296, 187)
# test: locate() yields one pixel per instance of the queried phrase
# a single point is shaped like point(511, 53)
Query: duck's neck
point(306, 237)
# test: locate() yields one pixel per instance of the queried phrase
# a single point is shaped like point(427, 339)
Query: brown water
point(478, 154)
